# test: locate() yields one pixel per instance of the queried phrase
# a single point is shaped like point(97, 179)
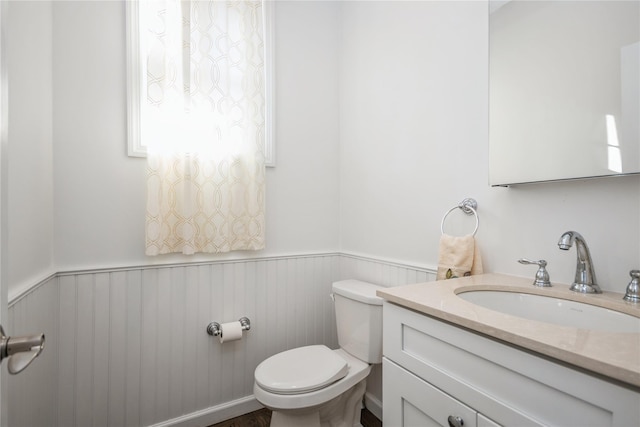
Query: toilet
point(315, 386)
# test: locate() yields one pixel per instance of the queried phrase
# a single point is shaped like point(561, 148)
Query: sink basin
point(554, 310)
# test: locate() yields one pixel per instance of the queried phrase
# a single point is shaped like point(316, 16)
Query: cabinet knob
point(455, 421)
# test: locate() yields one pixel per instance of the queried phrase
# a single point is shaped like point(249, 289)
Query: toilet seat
point(358, 371)
point(301, 370)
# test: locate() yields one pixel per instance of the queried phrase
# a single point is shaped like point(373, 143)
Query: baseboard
point(214, 414)
point(235, 408)
point(373, 405)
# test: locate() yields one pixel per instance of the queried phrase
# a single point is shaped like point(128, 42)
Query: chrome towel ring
point(467, 206)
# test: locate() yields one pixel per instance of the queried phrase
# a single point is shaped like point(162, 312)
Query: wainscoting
point(128, 347)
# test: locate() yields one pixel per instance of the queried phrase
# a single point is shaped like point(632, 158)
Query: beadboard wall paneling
point(382, 272)
point(32, 394)
point(128, 347)
point(136, 350)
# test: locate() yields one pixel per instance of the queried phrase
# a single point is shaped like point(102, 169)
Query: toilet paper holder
point(214, 329)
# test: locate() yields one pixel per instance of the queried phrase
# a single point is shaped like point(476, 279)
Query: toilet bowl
point(315, 386)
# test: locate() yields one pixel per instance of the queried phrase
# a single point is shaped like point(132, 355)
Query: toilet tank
point(359, 319)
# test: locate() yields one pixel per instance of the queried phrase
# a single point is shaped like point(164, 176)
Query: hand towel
point(458, 257)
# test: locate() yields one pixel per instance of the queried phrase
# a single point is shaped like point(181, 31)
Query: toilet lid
point(301, 370)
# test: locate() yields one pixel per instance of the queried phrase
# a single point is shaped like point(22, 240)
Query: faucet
point(585, 280)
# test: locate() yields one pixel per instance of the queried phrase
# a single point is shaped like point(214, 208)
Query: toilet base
point(342, 411)
point(287, 419)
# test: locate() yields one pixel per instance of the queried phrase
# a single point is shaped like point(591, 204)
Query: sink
point(554, 310)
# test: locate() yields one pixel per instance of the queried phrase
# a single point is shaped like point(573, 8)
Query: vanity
point(453, 362)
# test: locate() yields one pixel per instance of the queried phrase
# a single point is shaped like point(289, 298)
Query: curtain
point(203, 122)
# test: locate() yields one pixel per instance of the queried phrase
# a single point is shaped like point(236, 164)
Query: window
point(137, 82)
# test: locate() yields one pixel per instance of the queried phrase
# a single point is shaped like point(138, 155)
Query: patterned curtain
point(203, 123)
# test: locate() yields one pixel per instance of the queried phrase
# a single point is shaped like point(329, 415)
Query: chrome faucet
point(585, 280)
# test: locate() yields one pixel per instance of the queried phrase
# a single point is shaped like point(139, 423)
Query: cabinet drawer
point(411, 402)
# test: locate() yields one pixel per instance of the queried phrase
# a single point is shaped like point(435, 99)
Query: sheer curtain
point(203, 123)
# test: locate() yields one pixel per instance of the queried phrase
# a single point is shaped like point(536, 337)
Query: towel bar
point(468, 206)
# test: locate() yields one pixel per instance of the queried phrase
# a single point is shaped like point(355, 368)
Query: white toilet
point(315, 386)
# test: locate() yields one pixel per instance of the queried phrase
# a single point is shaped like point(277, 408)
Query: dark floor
point(262, 417)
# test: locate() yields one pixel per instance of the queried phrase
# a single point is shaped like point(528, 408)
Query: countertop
point(614, 355)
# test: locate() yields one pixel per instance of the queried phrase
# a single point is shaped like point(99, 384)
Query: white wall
point(302, 191)
point(100, 193)
point(30, 169)
point(412, 111)
point(414, 142)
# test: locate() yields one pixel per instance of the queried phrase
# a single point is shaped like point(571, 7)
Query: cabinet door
point(409, 401)
point(486, 422)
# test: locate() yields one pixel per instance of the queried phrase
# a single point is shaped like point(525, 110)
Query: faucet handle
point(633, 290)
point(542, 276)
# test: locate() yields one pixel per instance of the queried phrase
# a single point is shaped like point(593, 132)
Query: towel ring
point(468, 206)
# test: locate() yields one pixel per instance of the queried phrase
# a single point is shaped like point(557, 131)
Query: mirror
point(564, 98)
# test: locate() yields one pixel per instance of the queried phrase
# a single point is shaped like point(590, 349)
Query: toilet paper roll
point(231, 331)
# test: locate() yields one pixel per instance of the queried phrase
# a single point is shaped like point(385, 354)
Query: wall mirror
point(564, 97)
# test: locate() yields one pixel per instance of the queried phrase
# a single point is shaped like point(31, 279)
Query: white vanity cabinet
point(433, 370)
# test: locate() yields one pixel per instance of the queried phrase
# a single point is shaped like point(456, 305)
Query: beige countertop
point(614, 355)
